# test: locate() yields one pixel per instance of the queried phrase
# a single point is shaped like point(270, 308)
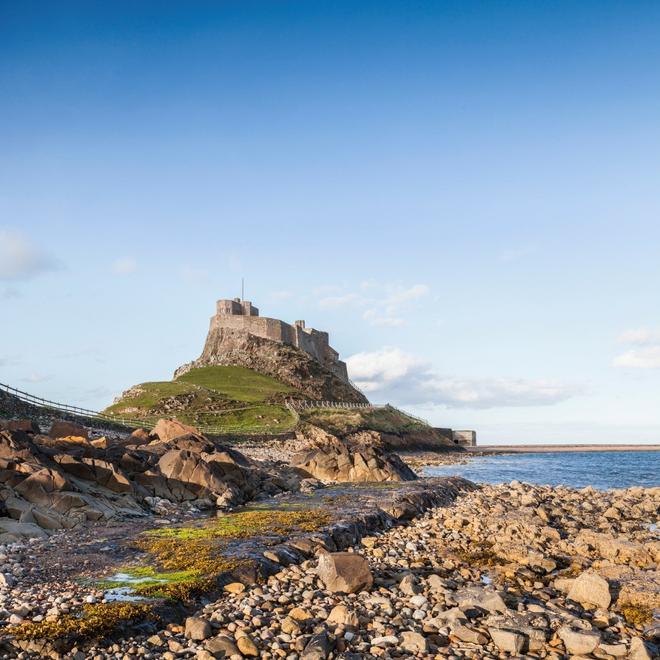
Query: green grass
point(226, 399)
point(258, 418)
point(151, 395)
point(343, 421)
point(236, 383)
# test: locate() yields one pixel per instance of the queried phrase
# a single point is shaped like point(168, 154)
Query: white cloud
point(639, 358)
point(373, 371)
point(389, 321)
point(125, 266)
point(35, 378)
point(20, 259)
point(399, 294)
point(281, 295)
point(640, 336)
point(391, 374)
point(382, 302)
point(333, 302)
point(193, 275)
point(646, 351)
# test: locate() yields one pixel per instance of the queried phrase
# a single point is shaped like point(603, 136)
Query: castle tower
point(241, 316)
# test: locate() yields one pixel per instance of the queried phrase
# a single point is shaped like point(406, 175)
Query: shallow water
point(125, 594)
point(600, 469)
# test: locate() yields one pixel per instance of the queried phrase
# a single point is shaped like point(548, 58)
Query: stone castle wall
point(241, 316)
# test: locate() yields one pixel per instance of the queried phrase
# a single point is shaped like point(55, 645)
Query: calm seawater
point(600, 469)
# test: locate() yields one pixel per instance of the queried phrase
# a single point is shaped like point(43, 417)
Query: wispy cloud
point(124, 266)
point(333, 302)
point(515, 253)
point(643, 351)
point(194, 275)
point(278, 296)
point(392, 374)
point(382, 304)
point(36, 378)
point(647, 357)
point(10, 293)
point(21, 259)
point(640, 336)
point(384, 320)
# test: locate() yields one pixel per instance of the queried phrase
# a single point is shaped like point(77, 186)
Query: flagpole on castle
point(242, 289)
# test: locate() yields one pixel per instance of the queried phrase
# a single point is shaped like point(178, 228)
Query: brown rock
point(197, 628)
point(343, 616)
point(169, 429)
point(247, 647)
point(63, 429)
point(139, 437)
point(578, 642)
point(591, 589)
point(25, 425)
point(222, 647)
point(344, 572)
point(342, 464)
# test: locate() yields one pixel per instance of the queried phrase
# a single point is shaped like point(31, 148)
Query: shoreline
point(548, 448)
point(486, 572)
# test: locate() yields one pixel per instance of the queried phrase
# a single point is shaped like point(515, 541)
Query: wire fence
point(327, 405)
point(293, 406)
point(306, 405)
point(54, 407)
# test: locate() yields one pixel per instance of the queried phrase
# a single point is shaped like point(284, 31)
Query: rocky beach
point(345, 555)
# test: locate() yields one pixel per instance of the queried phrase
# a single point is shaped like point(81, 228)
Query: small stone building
point(465, 438)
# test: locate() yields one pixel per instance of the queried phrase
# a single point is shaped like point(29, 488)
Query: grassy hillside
point(242, 401)
point(236, 383)
point(229, 399)
point(342, 422)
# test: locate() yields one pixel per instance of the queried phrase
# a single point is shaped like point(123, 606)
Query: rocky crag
point(64, 479)
point(308, 377)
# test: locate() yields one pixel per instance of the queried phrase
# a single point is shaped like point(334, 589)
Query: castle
point(243, 316)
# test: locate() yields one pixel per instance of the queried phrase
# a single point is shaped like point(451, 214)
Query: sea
point(600, 469)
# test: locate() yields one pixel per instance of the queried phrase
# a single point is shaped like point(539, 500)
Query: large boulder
point(169, 429)
point(192, 475)
point(344, 572)
point(63, 429)
point(591, 589)
point(39, 487)
point(25, 425)
point(341, 464)
point(16, 445)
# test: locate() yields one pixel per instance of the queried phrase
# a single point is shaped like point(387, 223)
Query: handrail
point(308, 405)
point(121, 420)
point(292, 405)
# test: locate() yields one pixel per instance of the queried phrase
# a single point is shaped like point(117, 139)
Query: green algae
point(91, 622)
point(248, 523)
point(190, 559)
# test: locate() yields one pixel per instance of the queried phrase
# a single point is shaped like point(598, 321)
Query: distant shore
point(543, 449)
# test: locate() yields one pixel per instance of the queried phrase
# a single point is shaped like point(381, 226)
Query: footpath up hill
point(242, 401)
point(230, 398)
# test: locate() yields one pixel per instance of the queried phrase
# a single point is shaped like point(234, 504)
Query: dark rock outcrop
point(288, 364)
point(344, 463)
point(54, 483)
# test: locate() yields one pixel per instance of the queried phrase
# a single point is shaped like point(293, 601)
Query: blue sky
point(464, 194)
